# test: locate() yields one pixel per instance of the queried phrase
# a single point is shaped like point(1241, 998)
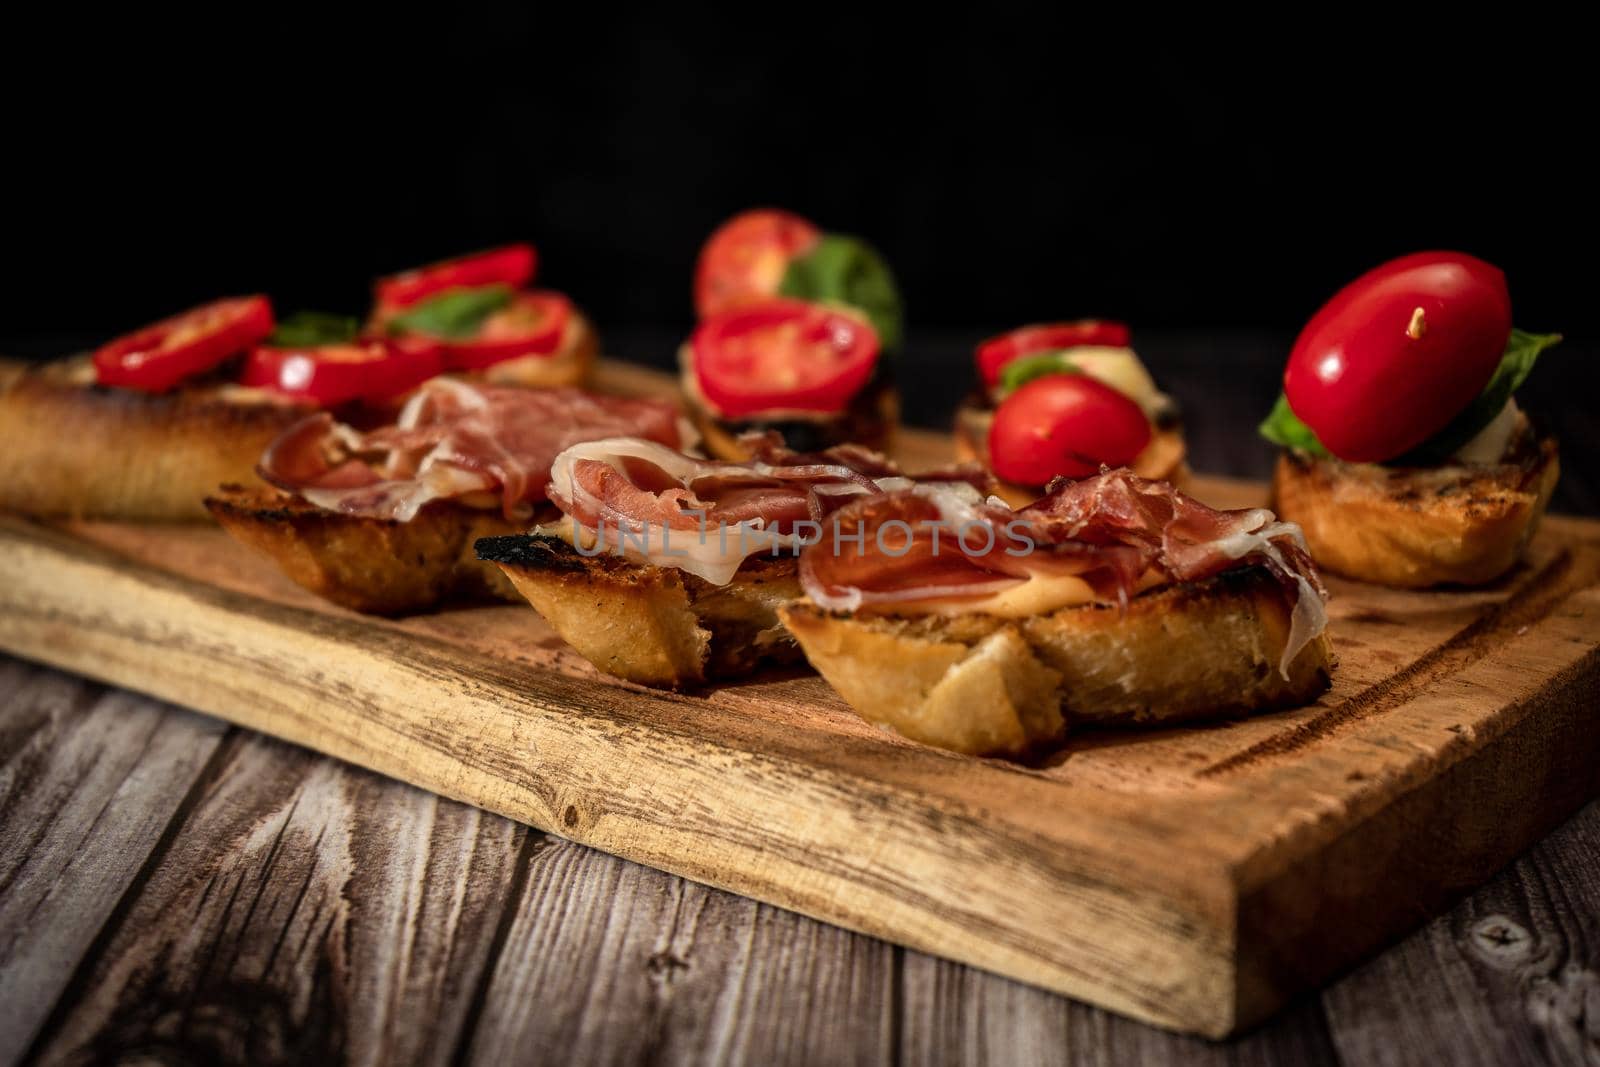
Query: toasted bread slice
point(1163, 459)
point(870, 420)
point(656, 626)
point(77, 449)
point(985, 685)
point(1417, 527)
point(381, 566)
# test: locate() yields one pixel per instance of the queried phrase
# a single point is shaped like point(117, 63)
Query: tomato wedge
point(745, 259)
point(531, 325)
point(996, 352)
point(512, 265)
point(328, 375)
point(1064, 424)
point(1398, 353)
point(161, 355)
point(782, 355)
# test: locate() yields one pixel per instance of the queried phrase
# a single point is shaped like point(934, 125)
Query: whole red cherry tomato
point(745, 259)
point(1064, 424)
point(996, 352)
point(1398, 353)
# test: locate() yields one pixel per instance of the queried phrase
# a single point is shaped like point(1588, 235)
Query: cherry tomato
point(745, 259)
point(996, 352)
point(1398, 353)
point(513, 265)
point(1064, 424)
point(327, 375)
point(531, 325)
point(782, 355)
point(160, 356)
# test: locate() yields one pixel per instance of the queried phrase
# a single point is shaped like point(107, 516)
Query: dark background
point(1011, 170)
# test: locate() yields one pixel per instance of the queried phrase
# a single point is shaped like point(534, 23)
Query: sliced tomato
point(531, 325)
point(327, 375)
point(161, 355)
point(782, 355)
point(996, 352)
point(1064, 424)
point(745, 259)
point(513, 265)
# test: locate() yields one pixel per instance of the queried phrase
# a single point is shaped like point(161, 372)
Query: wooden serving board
point(1195, 877)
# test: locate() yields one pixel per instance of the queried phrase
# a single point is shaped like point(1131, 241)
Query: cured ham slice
point(453, 440)
point(928, 550)
point(656, 505)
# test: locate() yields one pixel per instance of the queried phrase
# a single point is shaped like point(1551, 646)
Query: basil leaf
point(846, 270)
point(309, 329)
point(1020, 372)
point(1522, 350)
point(1283, 427)
point(455, 314)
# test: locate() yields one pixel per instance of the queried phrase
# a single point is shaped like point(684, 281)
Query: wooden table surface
point(174, 890)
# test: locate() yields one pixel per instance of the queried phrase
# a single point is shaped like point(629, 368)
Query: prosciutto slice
point(454, 440)
point(657, 505)
point(927, 550)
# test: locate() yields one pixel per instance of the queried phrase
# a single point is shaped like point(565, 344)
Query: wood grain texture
point(88, 782)
point(1205, 873)
point(303, 911)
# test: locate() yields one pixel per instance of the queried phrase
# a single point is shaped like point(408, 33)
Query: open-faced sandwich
point(796, 330)
point(384, 520)
point(1062, 400)
point(153, 421)
point(1406, 459)
point(961, 623)
point(669, 570)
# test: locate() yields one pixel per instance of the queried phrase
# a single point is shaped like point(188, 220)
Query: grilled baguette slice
point(76, 449)
point(380, 566)
point(1417, 527)
point(657, 626)
point(992, 686)
point(570, 364)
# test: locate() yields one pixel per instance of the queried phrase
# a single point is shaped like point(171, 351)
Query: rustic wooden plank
point(631, 965)
point(955, 1014)
point(304, 912)
point(1512, 975)
point(88, 782)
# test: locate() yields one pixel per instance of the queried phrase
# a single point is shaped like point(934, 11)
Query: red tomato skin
point(1064, 424)
point(1368, 388)
point(545, 341)
point(512, 265)
point(134, 361)
point(744, 259)
point(994, 353)
point(738, 398)
point(302, 374)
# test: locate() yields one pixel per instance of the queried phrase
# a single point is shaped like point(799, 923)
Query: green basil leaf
point(309, 329)
point(1283, 427)
point(455, 314)
point(846, 270)
point(1020, 372)
point(1522, 350)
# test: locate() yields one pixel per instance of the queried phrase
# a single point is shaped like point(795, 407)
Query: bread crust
point(80, 450)
point(991, 686)
point(1414, 528)
point(570, 364)
point(1163, 459)
point(657, 626)
point(870, 420)
point(378, 566)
